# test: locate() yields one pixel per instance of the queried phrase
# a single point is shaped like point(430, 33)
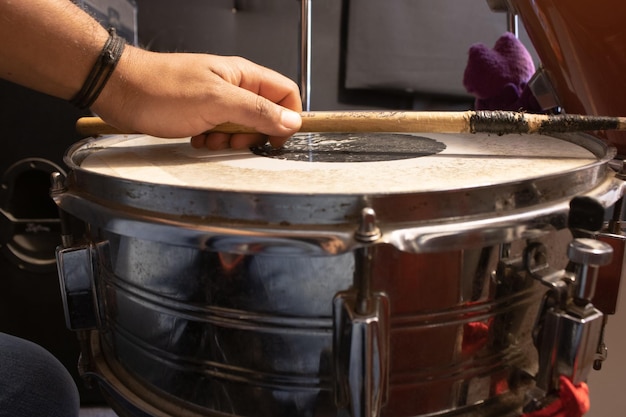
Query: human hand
point(181, 94)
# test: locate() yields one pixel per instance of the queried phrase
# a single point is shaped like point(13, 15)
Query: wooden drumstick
point(496, 122)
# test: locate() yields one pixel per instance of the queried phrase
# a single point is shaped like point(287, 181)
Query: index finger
point(260, 98)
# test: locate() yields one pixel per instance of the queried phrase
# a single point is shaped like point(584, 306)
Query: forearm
point(52, 45)
point(48, 45)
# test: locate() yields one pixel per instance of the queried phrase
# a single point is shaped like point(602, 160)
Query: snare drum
point(581, 46)
point(301, 283)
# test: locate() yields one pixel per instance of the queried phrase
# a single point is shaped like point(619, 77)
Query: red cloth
point(475, 337)
point(573, 401)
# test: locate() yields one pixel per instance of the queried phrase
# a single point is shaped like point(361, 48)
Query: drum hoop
point(319, 240)
point(325, 224)
point(258, 207)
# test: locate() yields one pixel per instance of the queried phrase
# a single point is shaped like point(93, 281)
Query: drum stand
point(511, 16)
point(305, 54)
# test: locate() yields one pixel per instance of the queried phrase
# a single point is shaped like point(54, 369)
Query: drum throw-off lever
point(361, 333)
point(77, 268)
point(569, 327)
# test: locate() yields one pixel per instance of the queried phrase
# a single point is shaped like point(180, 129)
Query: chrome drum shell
point(212, 302)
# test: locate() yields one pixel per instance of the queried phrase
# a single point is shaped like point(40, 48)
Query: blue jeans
point(33, 383)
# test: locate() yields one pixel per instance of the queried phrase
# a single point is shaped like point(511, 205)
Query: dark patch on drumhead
point(352, 147)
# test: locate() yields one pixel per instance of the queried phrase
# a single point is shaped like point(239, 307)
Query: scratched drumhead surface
point(363, 163)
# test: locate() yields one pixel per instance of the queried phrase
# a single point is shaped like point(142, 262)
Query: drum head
point(403, 177)
point(347, 164)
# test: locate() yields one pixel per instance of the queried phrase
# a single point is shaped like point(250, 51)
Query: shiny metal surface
point(251, 335)
point(76, 278)
point(212, 218)
point(201, 311)
point(360, 353)
point(588, 255)
point(569, 329)
point(306, 45)
point(570, 342)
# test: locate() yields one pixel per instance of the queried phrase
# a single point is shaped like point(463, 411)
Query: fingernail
point(290, 119)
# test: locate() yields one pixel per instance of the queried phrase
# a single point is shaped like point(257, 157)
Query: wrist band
point(101, 71)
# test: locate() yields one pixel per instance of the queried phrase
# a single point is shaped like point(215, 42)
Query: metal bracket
point(76, 267)
point(569, 328)
point(361, 356)
point(361, 333)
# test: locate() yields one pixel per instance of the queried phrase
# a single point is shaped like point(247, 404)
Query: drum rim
point(325, 223)
point(321, 208)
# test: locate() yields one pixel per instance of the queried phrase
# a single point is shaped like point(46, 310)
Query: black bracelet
point(101, 71)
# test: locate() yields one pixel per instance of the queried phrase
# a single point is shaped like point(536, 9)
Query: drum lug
point(76, 266)
point(361, 357)
point(368, 231)
point(569, 328)
point(361, 333)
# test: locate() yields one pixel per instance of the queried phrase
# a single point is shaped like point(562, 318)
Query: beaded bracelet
point(101, 71)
